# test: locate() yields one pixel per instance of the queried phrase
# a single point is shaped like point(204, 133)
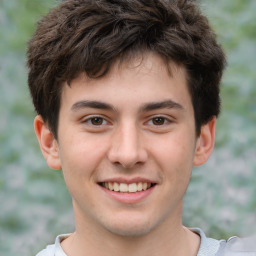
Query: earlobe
point(48, 143)
point(205, 142)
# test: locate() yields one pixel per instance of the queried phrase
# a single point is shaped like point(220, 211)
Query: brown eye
point(97, 121)
point(158, 120)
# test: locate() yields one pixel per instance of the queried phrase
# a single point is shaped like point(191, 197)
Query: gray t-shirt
point(208, 246)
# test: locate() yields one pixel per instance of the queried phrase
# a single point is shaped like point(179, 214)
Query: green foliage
point(19, 19)
point(223, 193)
point(35, 205)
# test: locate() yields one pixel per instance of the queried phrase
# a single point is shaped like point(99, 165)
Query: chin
point(130, 228)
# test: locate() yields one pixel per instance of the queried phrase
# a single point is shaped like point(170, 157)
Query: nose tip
point(129, 159)
point(127, 149)
point(127, 156)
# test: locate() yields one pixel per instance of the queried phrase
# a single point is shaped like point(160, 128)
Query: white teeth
point(110, 185)
point(124, 188)
point(139, 186)
point(144, 186)
point(116, 187)
point(133, 187)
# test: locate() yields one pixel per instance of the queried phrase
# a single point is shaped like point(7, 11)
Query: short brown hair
point(90, 35)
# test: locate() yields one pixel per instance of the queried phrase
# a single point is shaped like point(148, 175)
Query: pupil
point(158, 120)
point(97, 121)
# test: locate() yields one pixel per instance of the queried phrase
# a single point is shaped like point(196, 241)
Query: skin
point(111, 129)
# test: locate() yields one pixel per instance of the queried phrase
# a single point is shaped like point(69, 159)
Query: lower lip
point(129, 198)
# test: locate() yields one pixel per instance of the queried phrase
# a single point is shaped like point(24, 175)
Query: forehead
point(147, 77)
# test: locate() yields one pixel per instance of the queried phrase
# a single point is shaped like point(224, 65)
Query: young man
point(127, 96)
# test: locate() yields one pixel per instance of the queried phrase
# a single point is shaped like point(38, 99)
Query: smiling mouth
point(127, 188)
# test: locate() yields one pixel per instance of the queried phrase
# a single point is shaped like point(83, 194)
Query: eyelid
point(90, 117)
point(168, 118)
point(168, 121)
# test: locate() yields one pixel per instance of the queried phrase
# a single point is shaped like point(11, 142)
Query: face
point(126, 145)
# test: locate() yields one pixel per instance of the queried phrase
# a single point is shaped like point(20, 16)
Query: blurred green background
point(34, 203)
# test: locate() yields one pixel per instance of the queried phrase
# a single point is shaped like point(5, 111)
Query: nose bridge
point(127, 145)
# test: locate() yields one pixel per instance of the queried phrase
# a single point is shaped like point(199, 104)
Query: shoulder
point(54, 249)
point(48, 251)
point(238, 247)
point(234, 246)
point(208, 246)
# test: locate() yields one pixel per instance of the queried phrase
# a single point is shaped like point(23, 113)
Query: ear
point(48, 143)
point(205, 142)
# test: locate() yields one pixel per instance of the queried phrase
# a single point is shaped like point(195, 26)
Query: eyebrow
point(91, 104)
point(146, 107)
point(160, 105)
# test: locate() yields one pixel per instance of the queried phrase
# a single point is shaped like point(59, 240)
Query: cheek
point(80, 156)
point(176, 148)
point(174, 155)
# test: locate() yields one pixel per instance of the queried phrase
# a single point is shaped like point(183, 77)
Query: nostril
point(127, 149)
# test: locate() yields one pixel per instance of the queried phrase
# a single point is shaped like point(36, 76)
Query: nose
point(127, 147)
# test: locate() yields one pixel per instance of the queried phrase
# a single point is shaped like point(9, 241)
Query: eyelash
point(102, 121)
point(90, 119)
point(160, 118)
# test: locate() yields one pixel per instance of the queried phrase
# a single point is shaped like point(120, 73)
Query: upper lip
point(128, 181)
